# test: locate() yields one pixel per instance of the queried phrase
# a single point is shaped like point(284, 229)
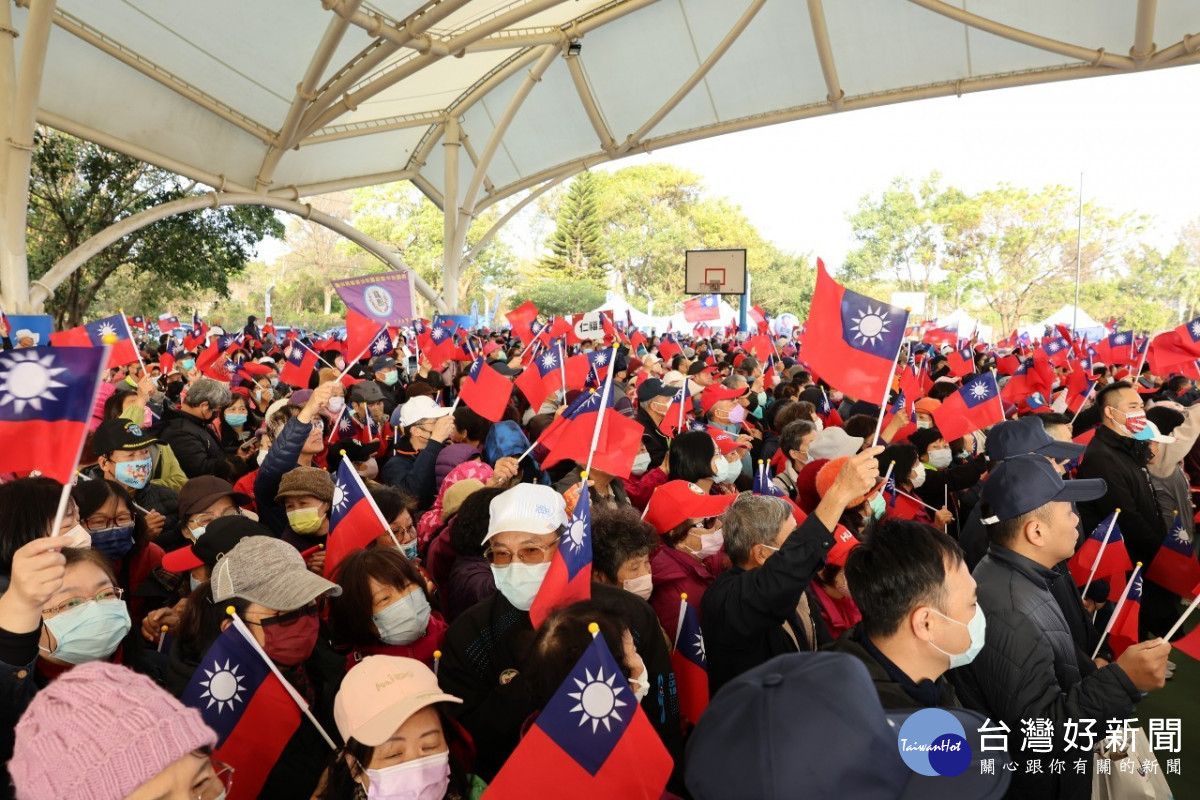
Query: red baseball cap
point(724, 439)
point(675, 502)
point(715, 393)
point(843, 542)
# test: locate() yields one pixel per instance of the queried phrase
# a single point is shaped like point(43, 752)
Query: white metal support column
point(451, 255)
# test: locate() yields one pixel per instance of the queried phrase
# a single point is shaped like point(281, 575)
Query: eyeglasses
point(404, 534)
point(318, 425)
point(288, 618)
point(526, 555)
point(94, 524)
point(427, 430)
point(217, 783)
point(204, 519)
point(111, 593)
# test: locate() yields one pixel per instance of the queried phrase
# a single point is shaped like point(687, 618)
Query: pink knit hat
point(98, 732)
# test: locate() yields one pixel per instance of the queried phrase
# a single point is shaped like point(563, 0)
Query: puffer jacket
point(282, 458)
point(196, 447)
point(1031, 667)
point(1121, 462)
point(1171, 484)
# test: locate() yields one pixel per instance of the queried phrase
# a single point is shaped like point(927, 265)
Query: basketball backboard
point(715, 271)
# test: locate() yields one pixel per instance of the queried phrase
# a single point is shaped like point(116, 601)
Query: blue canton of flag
point(1135, 591)
point(172, 347)
point(228, 339)
point(763, 483)
point(227, 678)
point(1036, 401)
point(103, 331)
point(48, 383)
point(296, 355)
point(418, 327)
point(595, 684)
point(690, 642)
point(381, 345)
point(825, 407)
point(890, 488)
point(1177, 539)
point(1120, 338)
point(588, 402)
point(549, 361)
point(980, 390)
point(709, 301)
point(898, 404)
point(197, 323)
point(576, 544)
point(871, 326)
point(697, 425)
point(599, 359)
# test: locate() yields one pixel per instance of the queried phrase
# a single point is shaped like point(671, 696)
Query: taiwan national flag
point(764, 483)
point(253, 712)
point(676, 418)
point(1167, 351)
point(1116, 349)
point(46, 400)
point(973, 407)
point(961, 361)
point(760, 347)
point(1079, 388)
point(1189, 336)
point(701, 309)
point(167, 322)
point(941, 335)
point(1123, 631)
point(592, 741)
point(522, 318)
point(569, 579)
point(137, 321)
point(668, 348)
point(298, 368)
point(542, 377)
point(485, 391)
point(1057, 349)
point(166, 359)
point(354, 519)
point(690, 664)
point(851, 340)
point(570, 435)
point(1113, 561)
point(112, 331)
point(1174, 566)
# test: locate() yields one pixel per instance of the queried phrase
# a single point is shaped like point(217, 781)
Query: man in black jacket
point(1031, 666)
point(1119, 453)
point(426, 426)
point(757, 609)
point(654, 398)
point(188, 429)
point(918, 605)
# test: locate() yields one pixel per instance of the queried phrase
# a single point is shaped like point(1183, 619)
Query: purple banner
point(385, 297)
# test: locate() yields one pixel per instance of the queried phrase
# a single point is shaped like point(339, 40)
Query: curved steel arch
point(43, 288)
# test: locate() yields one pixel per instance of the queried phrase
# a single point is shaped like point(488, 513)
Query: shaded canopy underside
point(299, 97)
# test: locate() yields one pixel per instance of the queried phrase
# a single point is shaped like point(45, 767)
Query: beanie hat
point(306, 482)
point(828, 475)
point(98, 732)
point(806, 485)
point(927, 405)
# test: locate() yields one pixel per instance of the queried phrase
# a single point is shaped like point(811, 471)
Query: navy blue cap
point(652, 388)
point(1027, 435)
point(812, 725)
point(1025, 483)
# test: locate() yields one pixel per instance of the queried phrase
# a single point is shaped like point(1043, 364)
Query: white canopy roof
point(299, 97)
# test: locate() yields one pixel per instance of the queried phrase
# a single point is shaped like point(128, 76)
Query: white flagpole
point(1117, 610)
point(682, 611)
point(1100, 555)
point(300, 701)
point(1179, 622)
point(600, 417)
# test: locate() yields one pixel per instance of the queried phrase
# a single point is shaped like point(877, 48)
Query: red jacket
point(675, 573)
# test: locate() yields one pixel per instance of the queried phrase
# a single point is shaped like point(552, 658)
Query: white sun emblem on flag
point(379, 346)
point(223, 687)
point(576, 534)
point(29, 380)
point(979, 390)
point(1195, 328)
point(699, 645)
point(549, 361)
point(339, 497)
point(1119, 339)
point(871, 325)
point(438, 334)
point(107, 333)
point(597, 699)
point(601, 359)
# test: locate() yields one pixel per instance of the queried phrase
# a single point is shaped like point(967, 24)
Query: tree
point(577, 244)
point(560, 297)
point(78, 189)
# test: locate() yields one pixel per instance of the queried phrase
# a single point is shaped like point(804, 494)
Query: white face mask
point(820, 425)
point(727, 471)
point(641, 685)
point(641, 463)
point(918, 478)
point(977, 628)
point(924, 423)
point(710, 543)
point(940, 458)
point(519, 583)
point(79, 537)
point(642, 585)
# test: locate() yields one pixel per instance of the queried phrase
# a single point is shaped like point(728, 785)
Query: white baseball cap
point(527, 508)
point(25, 333)
point(420, 408)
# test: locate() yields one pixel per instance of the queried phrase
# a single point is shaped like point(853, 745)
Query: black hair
point(1105, 397)
point(27, 509)
point(1177, 382)
point(861, 425)
point(900, 565)
point(1166, 419)
point(923, 437)
point(351, 613)
point(940, 391)
point(691, 456)
point(470, 524)
point(474, 426)
point(618, 534)
point(904, 456)
point(391, 501)
point(1052, 418)
point(1006, 531)
point(561, 641)
point(90, 496)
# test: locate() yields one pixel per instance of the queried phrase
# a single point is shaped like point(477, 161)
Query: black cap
point(365, 392)
point(652, 388)
point(220, 536)
point(120, 434)
point(823, 703)
point(1028, 435)
point(1025, 483)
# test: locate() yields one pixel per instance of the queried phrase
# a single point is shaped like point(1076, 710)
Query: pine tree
point(577, 249)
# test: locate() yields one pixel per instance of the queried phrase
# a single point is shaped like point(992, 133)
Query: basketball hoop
point(714, 287)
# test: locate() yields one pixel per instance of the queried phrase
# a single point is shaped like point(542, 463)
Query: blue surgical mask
point(274, 382)
point(519, 583)
point(187, 365)
point(405, 620)
point(134, 474)
point(194, 582)
point(89, 632)
point(113, 542)
point(878, 506)
point(977, 627)
point(235, 420)
point(410, 550)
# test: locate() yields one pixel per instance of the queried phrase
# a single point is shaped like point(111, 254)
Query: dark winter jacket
point(195, 445)
point(896, 690)
point(414, 471)
point(282, 458)
point(1121, 462)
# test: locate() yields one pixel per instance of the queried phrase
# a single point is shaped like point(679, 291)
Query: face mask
point(728, 471)
point(405, 620)
point(262, 456)
point(940, 458)
point(976, 627)
point(737, 415)
point(918, 479)
point(235, 420)
point(710, 543)
point(1135, 423)
point(306, 521)
point(640, 686)
point(134, 474)
point(421, 779)
point(762, 399)
point(819, 423)
point(642, 585)
point(924, 423)
point(188, 364)
point(878, 506)
point(198, 532)
point(641, 463)
point(410, 550)
point(113, 542)
point(390, 378)
point(274, 382)
point(90, 632)
point(519, 583)
point(193, 582)
point(336, 404)
point(79, 537)
point(292, 644)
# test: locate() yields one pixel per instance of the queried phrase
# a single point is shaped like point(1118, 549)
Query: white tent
point(618, 306)
point(967, 325)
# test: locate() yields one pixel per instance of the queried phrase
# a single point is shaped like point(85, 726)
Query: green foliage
point(78, 189)
point(559, 297)
point(577, 249)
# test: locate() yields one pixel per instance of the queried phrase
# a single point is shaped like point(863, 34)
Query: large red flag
point(542, 377)
point(522, 318)
point(701, 309)
point(852, 340)
point(1189, 336)
point(298, 367)
point(1167, 351)
point(569, 578)
point(592, 741)
point(112, 331)
point(485, 391)
point(570, 436)
point(354, 519)
point(961, 361)
point(973, 407)
point(1174, 566)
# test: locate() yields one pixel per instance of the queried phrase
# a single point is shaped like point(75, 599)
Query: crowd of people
point(841, 570)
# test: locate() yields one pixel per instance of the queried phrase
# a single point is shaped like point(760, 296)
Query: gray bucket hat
point(270, 572)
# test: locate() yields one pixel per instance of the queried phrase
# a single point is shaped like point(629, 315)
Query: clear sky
point(1134, 138)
